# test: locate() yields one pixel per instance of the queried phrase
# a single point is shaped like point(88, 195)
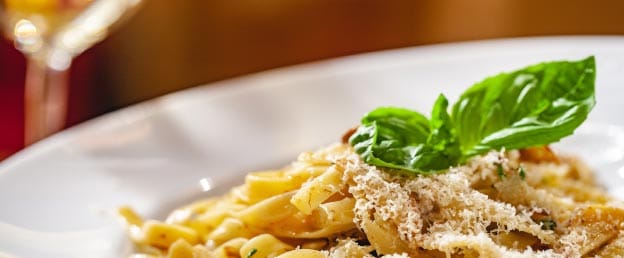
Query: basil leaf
point(537, 105)
point(399, 123)
point(404, 139)
point(443, 139)
point(533, 106)
point(385, 133)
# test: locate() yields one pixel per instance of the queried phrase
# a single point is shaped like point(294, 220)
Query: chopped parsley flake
point(499, 170)
point(521, 173)
point(548, 224)
point(252, 252)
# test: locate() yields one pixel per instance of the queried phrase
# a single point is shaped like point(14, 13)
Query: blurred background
point(172, 45)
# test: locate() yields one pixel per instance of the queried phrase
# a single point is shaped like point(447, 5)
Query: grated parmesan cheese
point(471, 208)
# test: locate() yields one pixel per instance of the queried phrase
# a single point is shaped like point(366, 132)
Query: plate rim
point(241, 83)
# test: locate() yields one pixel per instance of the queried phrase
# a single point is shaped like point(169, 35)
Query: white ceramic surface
point(56, 197)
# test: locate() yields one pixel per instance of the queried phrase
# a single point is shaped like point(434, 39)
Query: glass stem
point(46, 96)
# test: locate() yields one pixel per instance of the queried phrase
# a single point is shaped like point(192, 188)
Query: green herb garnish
point(252, 252)
point(533, 106)
point(521, 173)
point(548, 224)
point(499, 170)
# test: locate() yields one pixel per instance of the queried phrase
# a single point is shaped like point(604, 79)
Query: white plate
point(56, 197)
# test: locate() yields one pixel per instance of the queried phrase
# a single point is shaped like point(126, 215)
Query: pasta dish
point(330, 204)
point(480, 181)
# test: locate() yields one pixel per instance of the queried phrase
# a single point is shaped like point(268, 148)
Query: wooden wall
point(171, 45)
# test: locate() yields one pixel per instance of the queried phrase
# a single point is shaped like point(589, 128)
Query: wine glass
point(50, 33)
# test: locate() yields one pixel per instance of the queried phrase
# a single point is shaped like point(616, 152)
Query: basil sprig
point(533, 106)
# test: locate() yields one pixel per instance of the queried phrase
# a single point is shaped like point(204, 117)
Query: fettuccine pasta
point(527, 203)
